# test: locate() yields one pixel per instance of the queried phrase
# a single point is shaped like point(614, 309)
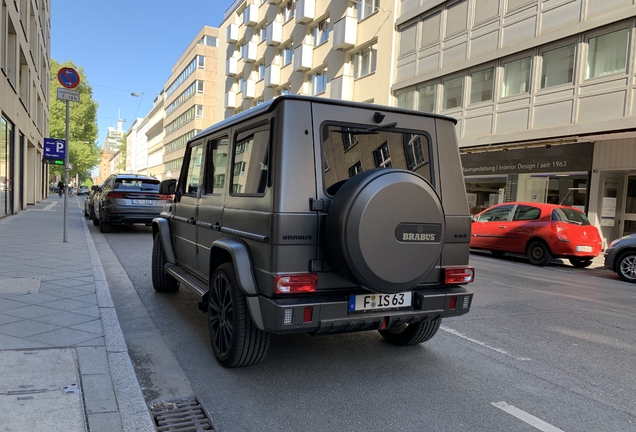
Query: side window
point(251, 163)
point(193, 175)
point(501, 213)
point(216, 165)
point(526, 213)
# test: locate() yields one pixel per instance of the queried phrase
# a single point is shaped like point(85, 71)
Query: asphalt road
point(542, 349)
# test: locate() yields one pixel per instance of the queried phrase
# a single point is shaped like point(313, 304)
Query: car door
point(210, 216)
point(524, 224)
point(106, 187)
point(489, 231)
point(184, 208)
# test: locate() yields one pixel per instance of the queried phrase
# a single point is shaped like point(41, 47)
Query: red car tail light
point(115, 195)
point(164, 197)
point(294, 284)
point(308, 313)
point(458, 275)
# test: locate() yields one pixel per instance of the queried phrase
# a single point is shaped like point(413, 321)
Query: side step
point(187, 279)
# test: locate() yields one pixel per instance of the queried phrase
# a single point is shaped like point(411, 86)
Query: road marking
point(47, 208)
point(527, 418)
point(484, 344)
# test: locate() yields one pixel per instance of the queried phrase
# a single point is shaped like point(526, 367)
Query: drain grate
point(180, 415)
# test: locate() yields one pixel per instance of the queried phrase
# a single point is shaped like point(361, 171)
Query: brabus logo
point(418, 233)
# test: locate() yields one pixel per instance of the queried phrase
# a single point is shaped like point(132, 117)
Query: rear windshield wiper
point(573, 221)
point(363, 131)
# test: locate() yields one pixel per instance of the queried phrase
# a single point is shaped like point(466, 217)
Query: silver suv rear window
point(137, 184)
point(349, 149)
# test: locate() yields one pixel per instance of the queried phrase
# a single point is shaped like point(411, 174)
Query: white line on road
point(47, 208)
point(525, 417)
point(484, 344)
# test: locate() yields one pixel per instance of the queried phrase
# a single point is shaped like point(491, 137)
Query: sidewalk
point(64, 364)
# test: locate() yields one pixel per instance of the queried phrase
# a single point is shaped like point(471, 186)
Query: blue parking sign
point(54, 148)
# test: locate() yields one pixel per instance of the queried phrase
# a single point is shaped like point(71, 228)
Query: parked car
point(83, 190)
point(127, 199)
point(540, 231)
point(620, 257)
point(290, 218)
point(89, 210)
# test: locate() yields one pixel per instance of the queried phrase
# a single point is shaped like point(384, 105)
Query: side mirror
point(95, 187)
point(168, 186)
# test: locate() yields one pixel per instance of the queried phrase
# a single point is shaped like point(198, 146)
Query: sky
point(127, 46)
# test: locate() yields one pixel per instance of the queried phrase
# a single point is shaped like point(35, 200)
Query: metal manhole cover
point(180, 415)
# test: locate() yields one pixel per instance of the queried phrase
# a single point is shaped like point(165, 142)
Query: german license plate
point(584, 248)
point(146, 202)
point(370, 302)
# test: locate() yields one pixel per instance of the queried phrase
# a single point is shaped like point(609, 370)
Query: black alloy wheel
point(411, 334)
point(539, 253)
point(235, 339)
point(580, 262)
point(626, 266)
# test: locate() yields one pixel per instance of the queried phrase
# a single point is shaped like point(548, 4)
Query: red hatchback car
point(540, 231)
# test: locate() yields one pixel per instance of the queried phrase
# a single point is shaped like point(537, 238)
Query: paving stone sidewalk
point(56, 315)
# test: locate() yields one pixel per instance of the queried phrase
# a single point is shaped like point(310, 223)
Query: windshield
point(349, 149)
point(569, 215)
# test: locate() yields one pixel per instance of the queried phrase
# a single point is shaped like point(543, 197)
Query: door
point(211, 202)
point(629, 218)
point(490, 229)
point(524, 224)
point(184, 209)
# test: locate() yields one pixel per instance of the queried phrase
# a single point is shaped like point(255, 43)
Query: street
point(542, 349)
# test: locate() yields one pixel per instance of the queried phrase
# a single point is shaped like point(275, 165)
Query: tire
point(385, 229)
point(580, 262)
point(161, 281)
point(538, 253)
point(626, 266)
point(411, 334)
point(105, 227)
point(93, 217)
point(235, 339)
point(497, 253)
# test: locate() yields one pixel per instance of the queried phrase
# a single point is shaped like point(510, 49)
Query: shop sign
point(564, 158)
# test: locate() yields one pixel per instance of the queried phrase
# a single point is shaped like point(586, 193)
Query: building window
point(381, 156)
point(413, 151)
point(481, 85)
point(318, 82)
point(284, 91)
point(427, 96)
point(239, 168)
point(557, 66)
point(201, 62)
point(607, 54)
point(208, 40)
point(199, 113)
point(200, 86)
point(405, 100)
point(287, 52)
point(349, 140)
point(364, 62)
point(261, 71)
point(453, 90)
point(516, 77)
point(355, 169)
point(364, 8)
point(288, 11)
point(321, 32)
point(263, 33)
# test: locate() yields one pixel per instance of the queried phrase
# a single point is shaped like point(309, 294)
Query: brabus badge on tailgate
point(418, 233)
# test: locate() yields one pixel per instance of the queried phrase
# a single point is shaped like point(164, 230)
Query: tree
point(122, 152)
point(83, 150)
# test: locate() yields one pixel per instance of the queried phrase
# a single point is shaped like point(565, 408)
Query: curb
point(132, 407)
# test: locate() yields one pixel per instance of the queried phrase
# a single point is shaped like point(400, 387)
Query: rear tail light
point(164, 197)
point(458, 275)
point(115, 195)
point(298, 283)
point(561, 232)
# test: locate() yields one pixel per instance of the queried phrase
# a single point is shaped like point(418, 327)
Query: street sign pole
point(66, 170)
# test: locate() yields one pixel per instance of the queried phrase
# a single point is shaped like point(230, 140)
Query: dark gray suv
point(312, 215)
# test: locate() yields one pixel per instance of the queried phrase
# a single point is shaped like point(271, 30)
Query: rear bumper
point(568, 249)
point(117, 217)
point(330, 313)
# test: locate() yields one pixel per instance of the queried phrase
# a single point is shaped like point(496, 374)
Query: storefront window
point(483, 192)
point(5, 136)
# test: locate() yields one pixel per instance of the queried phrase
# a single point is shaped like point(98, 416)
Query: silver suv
point(312, 215)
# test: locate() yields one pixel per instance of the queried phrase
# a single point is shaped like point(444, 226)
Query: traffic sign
point(68, 95)
point(68, 77)
point(54, 149)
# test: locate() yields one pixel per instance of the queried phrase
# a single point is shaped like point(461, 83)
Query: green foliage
point(83, 151)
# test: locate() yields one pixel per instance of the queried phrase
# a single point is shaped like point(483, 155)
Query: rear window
point(349, 149)
point(569, 215)
point(137, 184)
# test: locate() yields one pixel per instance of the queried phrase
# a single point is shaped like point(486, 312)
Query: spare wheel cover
point(385, 229)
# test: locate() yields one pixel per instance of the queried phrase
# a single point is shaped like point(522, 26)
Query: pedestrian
point(60, 187)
